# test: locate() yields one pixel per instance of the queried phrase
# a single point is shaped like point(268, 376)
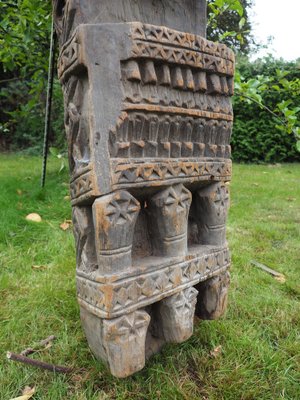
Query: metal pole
point(48, 102)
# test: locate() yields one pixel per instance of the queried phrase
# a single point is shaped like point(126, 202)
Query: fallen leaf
point(19, 192)
point(27, 393)
point(84, 376)
point(65, 225)
point(280, 279)
point(39, 267)
point(28, 390)
point(34, 217)
point(103, 395)
point(216, 351)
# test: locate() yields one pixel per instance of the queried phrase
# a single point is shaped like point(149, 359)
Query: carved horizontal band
point(155, 42)
point(144, 134)
point(110, 300)
point(137, 93)
point(175, 238)
point(135, 172)
point(177, 111)
point(83, 186)
point(181, 77)
point(161, 34)
point(114, 252)
point(127, 173)
point(190, 58)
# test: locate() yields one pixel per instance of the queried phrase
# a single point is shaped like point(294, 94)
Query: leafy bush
point(266, 115)
point(24, 49)
point(23, 126)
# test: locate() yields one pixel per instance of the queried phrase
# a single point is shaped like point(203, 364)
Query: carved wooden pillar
point(148, 121)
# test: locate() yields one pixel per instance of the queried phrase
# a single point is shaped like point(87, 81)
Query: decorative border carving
point(69, 57)
point(127, 172)
point(161, 34)
point(83, 187)
point(136, 172)
point(182, 56)
point(138, 94)
point(160, 43)
point(112, 299)
point(177, 110)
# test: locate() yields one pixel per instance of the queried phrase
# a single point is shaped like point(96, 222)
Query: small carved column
point(120, 342)
point(168, 215)
point(175, 316)
point(211, 208)
point(114, 221)
point(212, 298)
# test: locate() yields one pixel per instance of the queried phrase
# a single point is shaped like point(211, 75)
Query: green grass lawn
point(259, 336)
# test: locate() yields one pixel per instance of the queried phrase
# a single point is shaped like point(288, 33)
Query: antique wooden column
point(148, 120)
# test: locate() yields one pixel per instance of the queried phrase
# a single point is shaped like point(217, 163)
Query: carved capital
point(212, 298)
point(114, 220)
point(168, 213)
point(211, 208)
point(175, 316)
point(124, 342)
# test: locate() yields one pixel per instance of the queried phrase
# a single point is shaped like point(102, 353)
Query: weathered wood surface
point(148, 120)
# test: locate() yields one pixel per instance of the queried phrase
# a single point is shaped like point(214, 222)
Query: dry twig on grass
point(39, 364)
point(277, 275)
point(35, 348)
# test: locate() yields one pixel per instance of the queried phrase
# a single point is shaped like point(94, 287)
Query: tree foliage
point(228, 22)
point(24, 36)
point(24, 49)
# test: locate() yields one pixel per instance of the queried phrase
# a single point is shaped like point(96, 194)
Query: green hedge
point(255, 136)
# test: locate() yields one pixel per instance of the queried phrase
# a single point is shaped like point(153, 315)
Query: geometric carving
point(134, 131)
point(187, 57)
point(83, 186)
point(164, 35)
point(137, 172)
point(176, 77)
point(175, 316)
point(114, 220)
point(211, 207)
point(136, 288)
point(124, 342)
point(148, 119)
point(119, 342)
point(164, 98)
point(212, 298)
point(168, 212)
